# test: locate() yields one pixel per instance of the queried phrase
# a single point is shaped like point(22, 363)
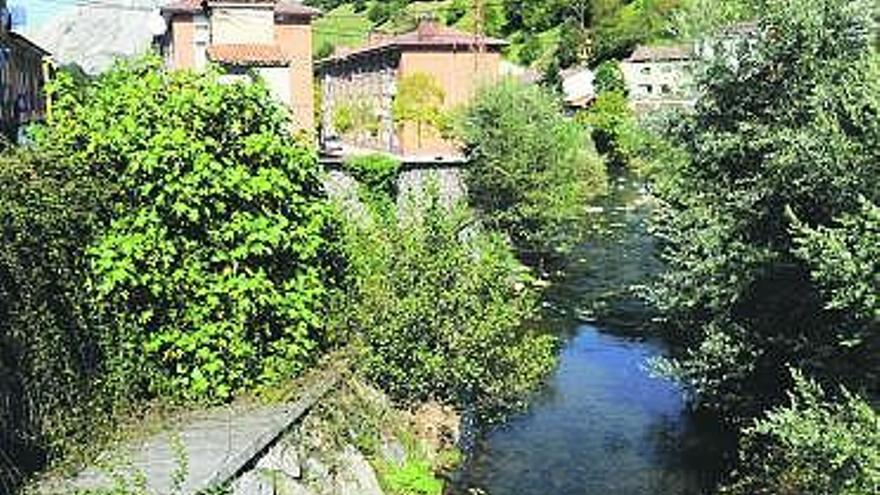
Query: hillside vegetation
point(544, 34)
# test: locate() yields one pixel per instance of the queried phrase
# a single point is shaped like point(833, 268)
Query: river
point(604, 424)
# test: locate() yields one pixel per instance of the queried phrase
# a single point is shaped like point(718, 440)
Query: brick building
point(23, 67)
point(368, 78)
point(272, 38)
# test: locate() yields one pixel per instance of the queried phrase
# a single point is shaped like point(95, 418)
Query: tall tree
point(786, 135)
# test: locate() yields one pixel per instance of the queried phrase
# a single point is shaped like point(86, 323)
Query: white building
point(578, 87)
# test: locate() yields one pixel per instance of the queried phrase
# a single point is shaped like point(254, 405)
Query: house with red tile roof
point(367, 79)
point(271, 38)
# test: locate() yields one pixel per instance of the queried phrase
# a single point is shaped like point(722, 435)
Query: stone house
point(23, 71)
point(660, 76)
point(367, 78)
point(270, 38)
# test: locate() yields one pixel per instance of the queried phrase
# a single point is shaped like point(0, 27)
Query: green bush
point(377, 174)
point(812, 446)
point(614, 129)
point(609, 78)
point(50, 346)
point(532, 170)
point(212, 267)
point(442, 310)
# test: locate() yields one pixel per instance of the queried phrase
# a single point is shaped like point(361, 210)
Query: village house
point(664, 76)
point(660, 76)
point(366, 81)
point(23, 71)
point(271, 38)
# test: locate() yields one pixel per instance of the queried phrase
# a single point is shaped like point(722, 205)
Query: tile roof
point(296, 9)
point(182, 7)
point(667, 53)
point(248, 54)
point(289, 8)
point(427, 34)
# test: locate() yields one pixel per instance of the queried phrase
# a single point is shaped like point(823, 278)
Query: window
point(646, 89)
point(646, 70)
point(665, 89)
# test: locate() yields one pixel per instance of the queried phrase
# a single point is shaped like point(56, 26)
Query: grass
point(341, 26)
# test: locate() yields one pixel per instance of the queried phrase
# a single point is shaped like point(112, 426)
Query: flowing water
point(603, 425)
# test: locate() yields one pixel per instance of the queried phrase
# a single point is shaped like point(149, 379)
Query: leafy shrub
point(812, 446)
point(532, 170)
point(609, 78)
point(50, 346)
point(213, 263)
point(614, 129)
point(377, 174)
point(442, 310)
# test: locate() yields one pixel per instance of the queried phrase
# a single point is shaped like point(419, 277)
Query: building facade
point(23, 72)
point(271, 38)
point(660, 76)
point(364, 82)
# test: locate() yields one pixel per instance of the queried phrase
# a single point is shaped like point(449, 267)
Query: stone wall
point(449, 179)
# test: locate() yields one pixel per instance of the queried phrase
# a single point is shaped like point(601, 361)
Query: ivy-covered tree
point(211, 268)
point(765, 228)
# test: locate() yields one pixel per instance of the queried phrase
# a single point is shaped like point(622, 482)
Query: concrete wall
point(294, 36)
point(242, 24)
point(183, 42)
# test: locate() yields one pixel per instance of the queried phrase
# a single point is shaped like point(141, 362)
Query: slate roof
point(248, 54)
point(664, 53)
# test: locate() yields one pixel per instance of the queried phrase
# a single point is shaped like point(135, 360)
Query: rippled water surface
point(603, 425)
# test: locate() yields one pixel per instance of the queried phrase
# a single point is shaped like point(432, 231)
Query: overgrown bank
point(166, 240)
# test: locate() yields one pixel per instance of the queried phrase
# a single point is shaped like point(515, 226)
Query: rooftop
point(289, 8)
point(428, 34)
point(661, 53)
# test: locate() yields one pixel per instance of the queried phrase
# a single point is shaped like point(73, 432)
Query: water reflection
point(604, 425)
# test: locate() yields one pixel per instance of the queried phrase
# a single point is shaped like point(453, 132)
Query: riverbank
point(604, 423)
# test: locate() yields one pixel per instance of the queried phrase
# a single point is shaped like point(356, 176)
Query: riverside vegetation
point(165, 241)
point(769, 231)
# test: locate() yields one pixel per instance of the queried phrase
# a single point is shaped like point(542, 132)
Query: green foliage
point(619, 26)
point(609, 78)
point(845, 260)
point(787, 132)
point(614, 129)
point(51, 348)
point(212, 269)
point(355, 117)
point(812, 446)
point(377, 174)
point(699, 18)
point(441, 310)
point(532, 170)
point(415, 477)
point(419, 100)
